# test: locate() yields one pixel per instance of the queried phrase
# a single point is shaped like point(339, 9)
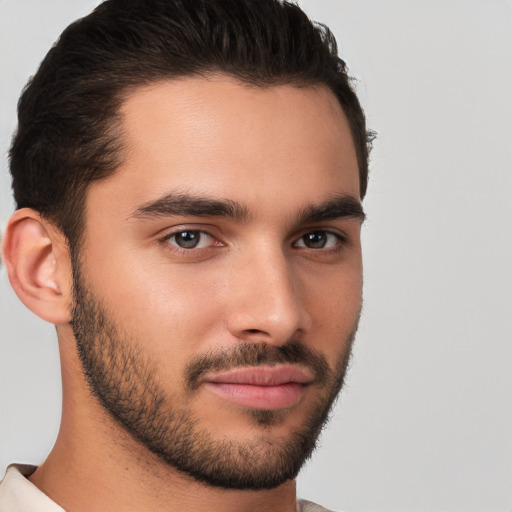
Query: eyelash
point(340, 240)
point(169, 236)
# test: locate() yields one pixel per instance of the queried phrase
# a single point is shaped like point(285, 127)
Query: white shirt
point(19, 494)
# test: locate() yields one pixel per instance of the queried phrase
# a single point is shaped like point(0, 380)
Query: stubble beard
point(123, 378)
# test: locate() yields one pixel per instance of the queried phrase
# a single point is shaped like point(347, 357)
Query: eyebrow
point(336, 208)
point(184, 204)
point(173, 204)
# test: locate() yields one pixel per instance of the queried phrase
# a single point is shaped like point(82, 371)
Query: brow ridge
point(182, 204)
point(185, 204)
point(342, 206)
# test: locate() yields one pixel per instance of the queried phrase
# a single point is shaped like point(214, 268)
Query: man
point(188, 177)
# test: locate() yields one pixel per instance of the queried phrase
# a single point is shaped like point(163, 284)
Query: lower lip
point(259, 397)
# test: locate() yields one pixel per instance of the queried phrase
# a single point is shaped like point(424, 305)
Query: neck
point(85, 473)
point(96, 465)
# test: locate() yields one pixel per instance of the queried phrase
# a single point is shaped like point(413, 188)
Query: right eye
point(190, 239)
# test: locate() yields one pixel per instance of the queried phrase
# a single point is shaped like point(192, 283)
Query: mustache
point(257, 354)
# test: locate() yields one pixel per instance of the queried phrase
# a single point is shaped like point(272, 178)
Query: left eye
point(190, 239)
point(318, 240)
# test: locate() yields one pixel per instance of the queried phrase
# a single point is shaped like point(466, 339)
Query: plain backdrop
point(425, 420)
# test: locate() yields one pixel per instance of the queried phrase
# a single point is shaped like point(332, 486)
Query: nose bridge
point(268, 298)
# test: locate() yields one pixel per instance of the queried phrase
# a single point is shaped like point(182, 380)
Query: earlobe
point(38, 265)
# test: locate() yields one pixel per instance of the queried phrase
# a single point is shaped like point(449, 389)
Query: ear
point(36, 255)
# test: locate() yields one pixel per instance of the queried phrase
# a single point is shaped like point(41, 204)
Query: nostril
point(258, 332)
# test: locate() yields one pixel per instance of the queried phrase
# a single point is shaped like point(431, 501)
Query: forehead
point(220, 138)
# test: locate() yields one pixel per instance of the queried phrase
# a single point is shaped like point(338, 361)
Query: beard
point(124, 380)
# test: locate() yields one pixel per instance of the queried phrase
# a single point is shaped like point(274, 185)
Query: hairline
point(116, 133)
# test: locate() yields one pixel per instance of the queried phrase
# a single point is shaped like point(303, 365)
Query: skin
point(277, 152)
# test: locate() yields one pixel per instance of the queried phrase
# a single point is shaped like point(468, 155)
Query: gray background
point(424, 423)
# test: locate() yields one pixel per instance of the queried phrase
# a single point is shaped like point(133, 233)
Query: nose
point(266, 300)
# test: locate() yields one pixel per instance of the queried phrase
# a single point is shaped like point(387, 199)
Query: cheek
point(165, 316)
point(165, 307)
point(334, 307)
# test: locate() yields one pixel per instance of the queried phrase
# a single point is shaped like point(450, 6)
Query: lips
point(262, 387)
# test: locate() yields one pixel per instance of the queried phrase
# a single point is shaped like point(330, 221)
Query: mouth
point(261, 387)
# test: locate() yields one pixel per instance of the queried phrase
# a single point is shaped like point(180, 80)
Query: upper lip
point(263, 376)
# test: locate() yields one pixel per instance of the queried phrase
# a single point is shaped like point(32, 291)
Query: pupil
point(187, 239)
point(315, 240)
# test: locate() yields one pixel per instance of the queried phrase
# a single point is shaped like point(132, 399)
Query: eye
point(190, 239)
point(319, 240)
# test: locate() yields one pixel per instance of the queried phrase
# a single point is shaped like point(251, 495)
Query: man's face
point(219, 282)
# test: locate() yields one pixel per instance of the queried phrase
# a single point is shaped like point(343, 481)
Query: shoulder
point(18, 494)
point(309, 506)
